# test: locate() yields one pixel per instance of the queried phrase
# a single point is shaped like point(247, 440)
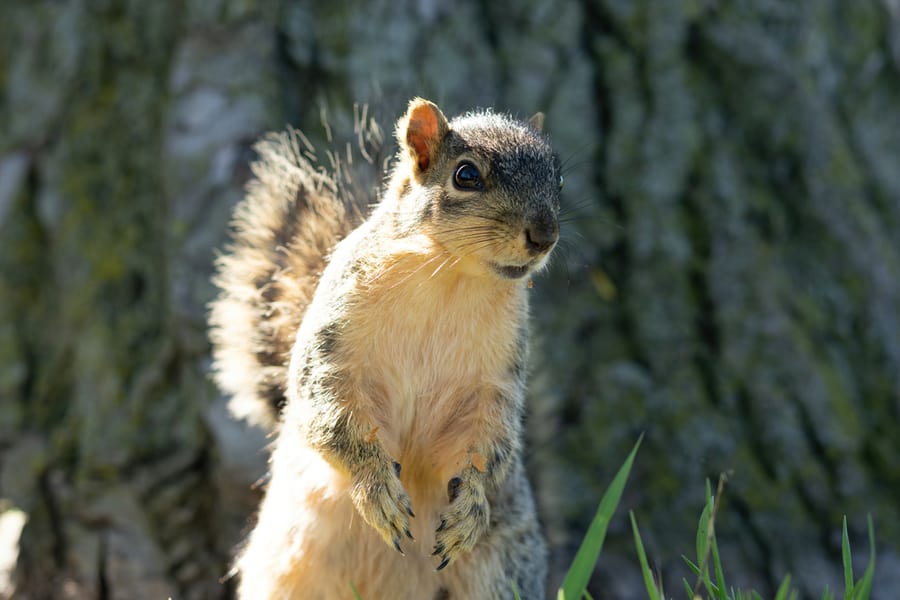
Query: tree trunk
point(729, 281)
point(107, 445)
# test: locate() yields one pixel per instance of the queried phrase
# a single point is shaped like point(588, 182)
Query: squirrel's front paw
point(464, 521)
point(381, 500)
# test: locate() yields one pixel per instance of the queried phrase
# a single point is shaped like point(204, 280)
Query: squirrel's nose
point(540, 238)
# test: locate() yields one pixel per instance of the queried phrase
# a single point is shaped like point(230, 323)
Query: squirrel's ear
point(421, 131)
point(537, 121)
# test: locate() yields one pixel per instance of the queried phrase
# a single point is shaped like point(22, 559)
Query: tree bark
point(729, 280)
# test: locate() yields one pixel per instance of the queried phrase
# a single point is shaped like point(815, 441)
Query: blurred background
point(728, 284)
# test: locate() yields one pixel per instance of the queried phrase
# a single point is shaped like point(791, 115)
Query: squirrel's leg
point(467, 517)
point(337, 432)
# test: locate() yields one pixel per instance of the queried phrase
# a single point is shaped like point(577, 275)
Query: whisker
point(476, 238)
point(569, 167)
point(440, 266)
point(585, 150)
point(484, 235)
point(419, 268)
point(475, 229)
point(602, 220)
point(568, 233)
point(443, 264)
point(490, 218)
point(573, 257)
point(577, 205)
point(471, 248)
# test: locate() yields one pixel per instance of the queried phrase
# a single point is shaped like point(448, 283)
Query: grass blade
point(864, 587)
point(652, 592)
point(515, 590)
point(720, 574)
point(691, 565)
point(783, 589)
point(848, 562)
point(687, 589)
point(579, 574)
point(703, 530)
point(704, 535)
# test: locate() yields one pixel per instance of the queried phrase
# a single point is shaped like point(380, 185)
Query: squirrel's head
point(484, 186)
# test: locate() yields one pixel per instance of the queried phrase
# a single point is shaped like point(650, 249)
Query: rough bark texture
point(729, 282)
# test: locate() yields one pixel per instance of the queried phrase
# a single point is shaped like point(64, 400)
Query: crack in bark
point(55, 519)
point(103, 592)
point(619, 260)
point(706, 327)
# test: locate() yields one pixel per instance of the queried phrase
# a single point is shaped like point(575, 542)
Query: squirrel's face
point(485, 186)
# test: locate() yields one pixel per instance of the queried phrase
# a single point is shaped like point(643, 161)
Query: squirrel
point(388, 354)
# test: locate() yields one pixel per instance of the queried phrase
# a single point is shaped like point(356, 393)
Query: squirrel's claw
point(453, 488)
point(465, 521)
point(383, 503)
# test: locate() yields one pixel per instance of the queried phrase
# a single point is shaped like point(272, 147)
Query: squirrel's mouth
point(512, 271)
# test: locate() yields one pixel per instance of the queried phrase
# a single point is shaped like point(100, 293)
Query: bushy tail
point(283, 231)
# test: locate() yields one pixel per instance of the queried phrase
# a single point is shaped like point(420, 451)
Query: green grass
point(576, 580)
point(706, 568)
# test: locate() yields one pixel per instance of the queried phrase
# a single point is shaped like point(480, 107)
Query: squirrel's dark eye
point(467, 177)
point(561, 182)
